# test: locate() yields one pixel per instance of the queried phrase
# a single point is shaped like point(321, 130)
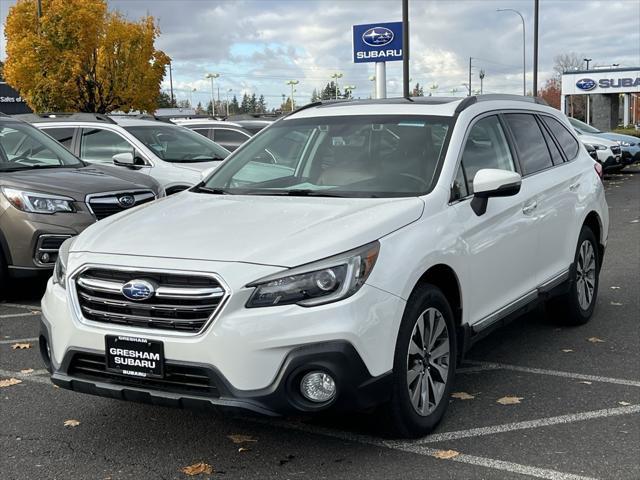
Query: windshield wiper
point(212, 191)
point(32, 167)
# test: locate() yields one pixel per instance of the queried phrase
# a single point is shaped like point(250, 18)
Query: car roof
point(438, 106)
point(204, 121)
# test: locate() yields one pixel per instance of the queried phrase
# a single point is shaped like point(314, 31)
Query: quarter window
point(101, 145)
point(532, 148)
point(567, 142)
point(486, 147)
point(62, 135)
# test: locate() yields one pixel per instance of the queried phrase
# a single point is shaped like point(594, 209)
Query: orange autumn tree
point(81, 57)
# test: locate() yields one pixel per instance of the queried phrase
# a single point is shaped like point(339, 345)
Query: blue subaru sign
point(586, 84)
point(377, 42)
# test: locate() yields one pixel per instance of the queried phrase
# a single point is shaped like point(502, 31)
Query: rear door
point(502, 243)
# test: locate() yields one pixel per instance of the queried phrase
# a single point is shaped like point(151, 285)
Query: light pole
point(292, 83)
point(454, 90)
point(212, 77)
point(336, 76)
point(481, 75)
point(433, 87)
point(372, 78)
point(348, 90)
point(587, 117)
point(193, 90)
point(524, 57)
point(229, 90)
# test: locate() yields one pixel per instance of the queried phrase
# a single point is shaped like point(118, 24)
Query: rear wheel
point(424, 363)
point(577, 305)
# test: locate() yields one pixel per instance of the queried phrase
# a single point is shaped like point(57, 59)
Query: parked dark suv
point(48, 195)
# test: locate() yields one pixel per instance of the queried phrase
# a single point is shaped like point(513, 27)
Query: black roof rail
point(63, 116)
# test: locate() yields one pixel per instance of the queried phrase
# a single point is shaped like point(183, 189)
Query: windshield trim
point(451, 122)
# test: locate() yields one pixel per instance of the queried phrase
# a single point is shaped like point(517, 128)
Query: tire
point(408, 414)
point(4, 279)
point(577, 305)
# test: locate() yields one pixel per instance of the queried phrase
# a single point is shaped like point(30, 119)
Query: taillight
point(598, 168)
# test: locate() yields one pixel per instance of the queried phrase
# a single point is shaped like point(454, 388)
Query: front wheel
point(424, 363)
point(577, 305)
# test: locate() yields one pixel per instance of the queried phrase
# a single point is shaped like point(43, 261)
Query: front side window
point(178, 144)
point(486, 147)
point(355, 156)
point(532, 148)
point(98, 145)
point(24, 147)
point(567, 142)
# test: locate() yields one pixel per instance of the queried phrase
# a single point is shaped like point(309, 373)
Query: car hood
point(590, 139)
point(279, 231)
point(77, 183)
point(618, 137)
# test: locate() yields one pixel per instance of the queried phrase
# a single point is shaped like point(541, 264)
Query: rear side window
point(556, 156)
point(532, 148)
point(567, 142)
point(62, 135)
point(101, 145)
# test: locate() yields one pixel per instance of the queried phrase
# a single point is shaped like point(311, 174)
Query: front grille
point(182, 301)
point(177, 378)
point(616, 150)
point(107, 204)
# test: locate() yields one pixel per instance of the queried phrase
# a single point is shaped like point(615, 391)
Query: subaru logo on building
point(586, 84)
point(126, 201)
point(138, 290)
point(377, 37)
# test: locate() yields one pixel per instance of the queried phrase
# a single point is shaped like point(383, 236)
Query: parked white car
point(609, 152)
point(174, 156)
point(226, 134)
point(346, 257)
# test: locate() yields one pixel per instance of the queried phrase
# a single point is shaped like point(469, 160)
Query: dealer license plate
point(137, 357)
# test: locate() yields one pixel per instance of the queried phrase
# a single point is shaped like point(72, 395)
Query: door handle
point(529, 208)
point(574, 186)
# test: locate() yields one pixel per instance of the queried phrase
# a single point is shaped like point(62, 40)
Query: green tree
point(314, 95)
point(78, 56)
point(418, 91)
point(329, 91)
point(262, 104)
point(244, 106)
point(164, 100)
point(234, 108)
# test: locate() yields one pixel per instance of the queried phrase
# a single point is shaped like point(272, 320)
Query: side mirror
point(125, 159)
point(492, 182)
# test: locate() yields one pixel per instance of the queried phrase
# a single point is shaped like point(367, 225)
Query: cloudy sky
point(257, 45)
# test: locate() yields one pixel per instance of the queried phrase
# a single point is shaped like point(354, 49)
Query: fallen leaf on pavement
point(21, 346)
point(7, 382)
point(624, 404)
point(26, 370)
point(71, 423)
point(243, 449)
point(617, 304)
point(567, 350)
point(585, 382)
point(198, 469)
point(236, 438)
point(509, 400)
point(615, 288)
point(445, 454)
point(462, 396)
point(595, 340)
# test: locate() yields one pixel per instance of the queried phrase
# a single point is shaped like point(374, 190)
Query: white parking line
point(18, 340)
point(12, 315)
point(556, 373)
point(541, 422)
point(34, 376)
point(18, 305)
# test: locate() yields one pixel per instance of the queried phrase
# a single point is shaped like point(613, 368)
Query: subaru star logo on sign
point(138, 290)
point(126, 201)
point(586, 84)
point(377, 42)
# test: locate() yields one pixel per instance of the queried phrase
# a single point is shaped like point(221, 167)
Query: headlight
point(38, 202)
point(329, 280)
point(598, 147)
point(624, 143)
point(60, 268)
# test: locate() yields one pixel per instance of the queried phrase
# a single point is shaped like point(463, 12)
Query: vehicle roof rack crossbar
point(61, 116)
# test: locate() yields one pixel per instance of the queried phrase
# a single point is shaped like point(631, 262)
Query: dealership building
point(613, 95)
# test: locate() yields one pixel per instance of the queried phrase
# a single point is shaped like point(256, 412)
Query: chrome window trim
point(133, 192)
point(144, 332)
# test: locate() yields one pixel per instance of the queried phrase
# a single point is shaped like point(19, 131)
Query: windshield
point(582, 127)
point(24, 147)
point(178, 144)
point(348, 156)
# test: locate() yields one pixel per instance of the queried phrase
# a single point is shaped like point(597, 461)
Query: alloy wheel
point(586, 275)
point(428, 361)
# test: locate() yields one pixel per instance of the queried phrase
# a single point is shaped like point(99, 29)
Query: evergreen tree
point(314, 96)
point(234, 108)
point(262, 104)
point(329, 91)
point(244, 106)
point(199, 109)
point(164, 100)
point(253, 103)
point(418, 91)
point(209, 108)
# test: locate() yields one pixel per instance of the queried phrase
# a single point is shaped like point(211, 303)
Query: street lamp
point(336, 76)
point(193, 90)
point(292, 83)
point(229, 90)
point(587, 60)
point(524, 58)
point(372, 78)
point(481, 75)
point(348, 90)
point(212, 77)
point(454, 90)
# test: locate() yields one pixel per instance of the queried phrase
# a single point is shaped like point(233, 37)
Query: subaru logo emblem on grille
point(138, 290)
point(126, 201)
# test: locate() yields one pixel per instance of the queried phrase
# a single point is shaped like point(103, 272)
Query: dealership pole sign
point(378, 43)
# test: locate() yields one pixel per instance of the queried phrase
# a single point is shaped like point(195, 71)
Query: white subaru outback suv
point(346, 257)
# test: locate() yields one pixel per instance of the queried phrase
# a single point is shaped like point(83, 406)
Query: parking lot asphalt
point(578, 416)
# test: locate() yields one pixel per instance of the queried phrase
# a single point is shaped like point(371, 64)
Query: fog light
point(45, 258)
point(318, 387)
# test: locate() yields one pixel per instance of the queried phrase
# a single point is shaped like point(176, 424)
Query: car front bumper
point(253, 358)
